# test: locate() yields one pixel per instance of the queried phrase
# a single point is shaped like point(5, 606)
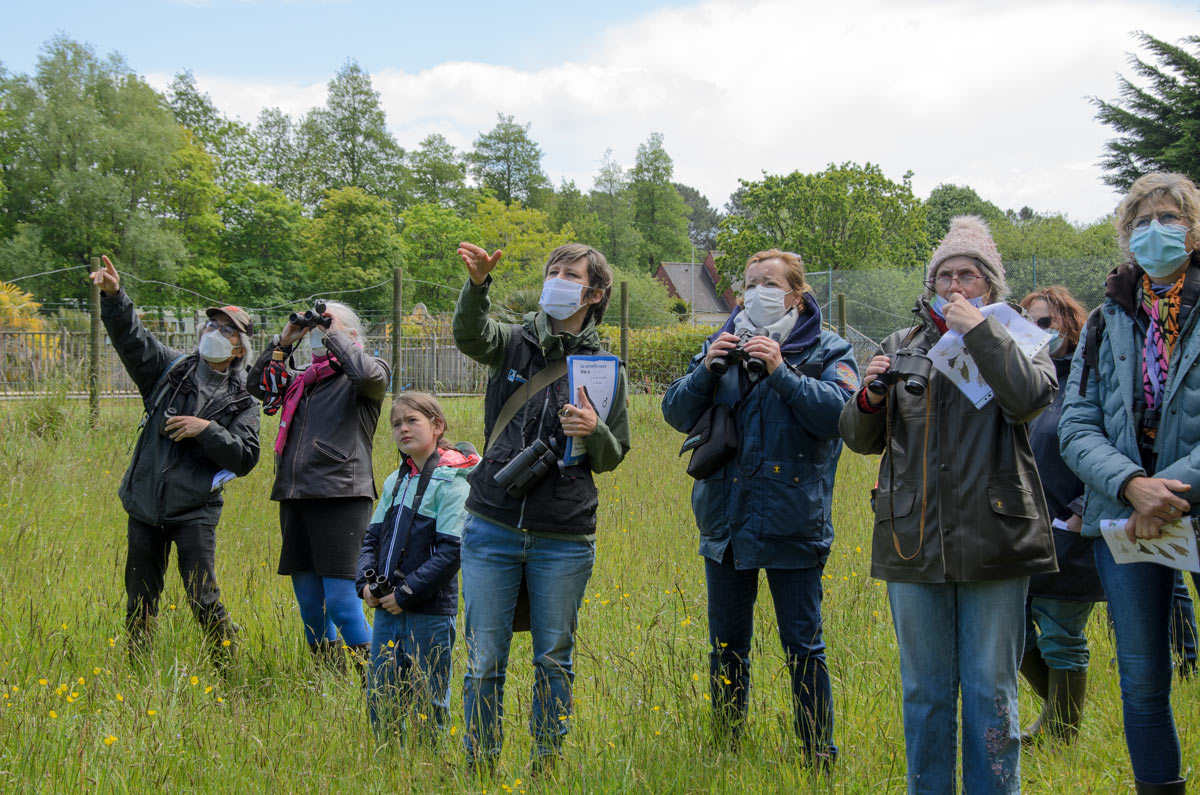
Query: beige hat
point(240, 317)
point(969, 236)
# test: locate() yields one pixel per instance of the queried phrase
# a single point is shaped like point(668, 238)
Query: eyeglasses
point(227, 331)
point(1044, 322)
point(965, 279)
point(1166, 218)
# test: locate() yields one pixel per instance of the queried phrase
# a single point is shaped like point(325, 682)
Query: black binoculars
point(909, 366)
point(518, 475)
point(755, 366)
point(311, 317)
point(379, 585)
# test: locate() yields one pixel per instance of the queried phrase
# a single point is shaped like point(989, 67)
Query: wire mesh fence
point(876, 303)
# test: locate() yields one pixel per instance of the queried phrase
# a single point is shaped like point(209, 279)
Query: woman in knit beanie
point(960, 522)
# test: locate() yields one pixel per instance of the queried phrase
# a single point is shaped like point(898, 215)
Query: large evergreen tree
point(509, 163)
point(1157, 118)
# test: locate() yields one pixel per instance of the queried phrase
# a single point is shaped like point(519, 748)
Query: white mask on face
point(765, 305)
point(561, 298)
point(215, 347)
point(316, 340)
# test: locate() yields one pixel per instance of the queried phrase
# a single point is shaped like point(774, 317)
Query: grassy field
point(75, 716)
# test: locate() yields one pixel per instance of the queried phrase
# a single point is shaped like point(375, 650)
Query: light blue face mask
point(1159, 249)
point(1052, 347)
point(939, 304)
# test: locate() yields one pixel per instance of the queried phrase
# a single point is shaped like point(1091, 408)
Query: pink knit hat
point(969, 236)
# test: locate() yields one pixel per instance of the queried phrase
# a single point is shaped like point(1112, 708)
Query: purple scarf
point(322, 368)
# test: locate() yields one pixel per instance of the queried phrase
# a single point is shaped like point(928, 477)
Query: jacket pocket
point(329, 451)
point(1007, 499)
point(1013, 530)
point(793, 500)
point(708, 504)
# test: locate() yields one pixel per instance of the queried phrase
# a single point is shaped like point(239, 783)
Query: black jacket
point(328, 450)
point(171, 482)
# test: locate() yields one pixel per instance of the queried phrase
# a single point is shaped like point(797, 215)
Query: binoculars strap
point(537, 382)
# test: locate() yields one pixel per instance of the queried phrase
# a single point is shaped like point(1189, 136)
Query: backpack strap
point(152, 401)
point(1091, 346)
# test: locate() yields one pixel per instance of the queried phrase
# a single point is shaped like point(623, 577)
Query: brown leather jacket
point(959, 497)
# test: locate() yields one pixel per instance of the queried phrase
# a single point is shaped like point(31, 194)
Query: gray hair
point(1156, 185)
point(349, 319)
point(247, 358)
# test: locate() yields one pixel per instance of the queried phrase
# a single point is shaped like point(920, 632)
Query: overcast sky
point(991, 95)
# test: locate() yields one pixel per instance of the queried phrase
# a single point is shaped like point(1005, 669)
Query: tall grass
point(76, 715)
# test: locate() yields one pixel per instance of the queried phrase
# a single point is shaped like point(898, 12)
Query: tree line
point(94, 160)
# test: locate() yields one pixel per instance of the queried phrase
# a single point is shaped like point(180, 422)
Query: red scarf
point(322, 368)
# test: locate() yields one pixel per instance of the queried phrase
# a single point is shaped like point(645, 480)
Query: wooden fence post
point(625, 323)
point(841, 315)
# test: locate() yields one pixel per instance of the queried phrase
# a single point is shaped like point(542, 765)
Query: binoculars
point(379, 585)
point(738, 354)
point(311, 317)
point(527, 467)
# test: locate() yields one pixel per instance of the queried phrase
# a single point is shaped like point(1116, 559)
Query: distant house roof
point(696, 284)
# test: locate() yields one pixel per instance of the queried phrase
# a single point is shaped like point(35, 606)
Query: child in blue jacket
point(408, 568)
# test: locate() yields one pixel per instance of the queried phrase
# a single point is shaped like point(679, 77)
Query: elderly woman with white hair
point(1131, 431)
point(324, 481)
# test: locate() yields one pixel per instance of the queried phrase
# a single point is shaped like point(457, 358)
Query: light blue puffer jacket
point(1097, 433)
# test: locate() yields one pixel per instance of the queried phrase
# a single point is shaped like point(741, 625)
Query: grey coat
point(328, 450)
point(171, 482)
point(968, 472)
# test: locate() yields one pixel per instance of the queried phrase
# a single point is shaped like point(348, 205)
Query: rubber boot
point(1068, 691)
point(1037, 673)
point(1178, 787)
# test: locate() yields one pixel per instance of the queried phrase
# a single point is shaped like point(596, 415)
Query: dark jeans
point(146, 566)
point(797, 597)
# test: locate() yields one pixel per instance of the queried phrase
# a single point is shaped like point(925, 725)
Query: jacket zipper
point(395, 531)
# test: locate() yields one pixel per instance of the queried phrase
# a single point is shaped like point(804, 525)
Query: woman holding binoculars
point(960, 520)
point(324, 481)
point(784, 380)
point(529, 531)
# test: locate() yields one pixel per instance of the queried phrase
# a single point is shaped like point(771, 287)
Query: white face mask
point(561, 298)
point(316, 340)
point(215, 347)
point(765, 305)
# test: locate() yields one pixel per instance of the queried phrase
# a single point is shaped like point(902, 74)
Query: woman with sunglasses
point(960, 521)
point(1131, 431)
point(1055, 662)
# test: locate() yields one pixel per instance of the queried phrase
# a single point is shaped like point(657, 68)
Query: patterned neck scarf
point(1163, 311)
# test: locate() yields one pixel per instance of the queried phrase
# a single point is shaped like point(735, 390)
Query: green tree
point(433, 272)
point(612, 200)
point(947, 201)
point(659, 212)
point(650, 304)
point(525, 236)
point(439, 174)
point(229, 142)
point(570, 213)
point(508, 162)
point(188, 195)
point(347, 144)
point(278, 161)
point(848, 216)
point(1158, 125)
point(261, 246)
point(704, 221)
point(351, 243)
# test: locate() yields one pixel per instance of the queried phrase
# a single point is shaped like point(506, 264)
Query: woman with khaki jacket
point(960, 521)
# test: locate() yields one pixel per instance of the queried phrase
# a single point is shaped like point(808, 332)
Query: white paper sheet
point(1176, 547)
point(951, 359)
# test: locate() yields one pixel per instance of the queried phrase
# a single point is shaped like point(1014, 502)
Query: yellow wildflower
point(109, 740)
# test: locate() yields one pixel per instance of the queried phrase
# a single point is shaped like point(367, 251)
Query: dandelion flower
point(695, 677)
point(71, 699)
point(120, 697)
point(64, 626)
point(225, 642)
point(172, 607)
point(53, 714)
point(195, 680)
point(152, 712)
point(109, 740)
point(220, 700)
point(391, 644)
point(208, 689)
point(43, 682)
point(15, 688)
point(453, 730)
point(421, 715)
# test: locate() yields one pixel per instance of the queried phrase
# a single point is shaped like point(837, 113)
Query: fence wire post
point(625, 322)
point(841, 315)
point(1034, 272)
point(397, 311)
point(94, 350)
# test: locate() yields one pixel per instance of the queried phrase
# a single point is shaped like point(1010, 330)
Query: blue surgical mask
point(1159, 249)
point(1056, 341)
point(939, 304)
point(561, 298)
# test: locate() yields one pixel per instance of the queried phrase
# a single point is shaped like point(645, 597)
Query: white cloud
point(979, 93)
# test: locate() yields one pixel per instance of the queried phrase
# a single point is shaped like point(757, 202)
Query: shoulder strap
point(160, 386)
point(1091, 346)
point(539, 381)
point(423, 482)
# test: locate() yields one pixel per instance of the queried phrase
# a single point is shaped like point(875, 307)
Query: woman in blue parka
point(769, 507)
point(1131, 431)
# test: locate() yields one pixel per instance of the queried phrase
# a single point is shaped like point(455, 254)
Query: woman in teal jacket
point(769, 507)
point(1131, 431)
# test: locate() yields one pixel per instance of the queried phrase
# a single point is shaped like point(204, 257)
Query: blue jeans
point(556, 572)
point(1056, 628)
point(412, 675)
point(797, 597)
point(1139, 602)
point(964, 637)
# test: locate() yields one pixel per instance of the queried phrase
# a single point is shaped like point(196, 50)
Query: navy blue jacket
point(773, 502)
point(420, 554)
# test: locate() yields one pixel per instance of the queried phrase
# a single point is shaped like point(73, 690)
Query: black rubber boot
point(1068, 691)
point(1178, 787)
point(1037, 674)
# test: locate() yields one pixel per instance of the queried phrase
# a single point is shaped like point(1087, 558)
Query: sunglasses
point(1044, 322)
